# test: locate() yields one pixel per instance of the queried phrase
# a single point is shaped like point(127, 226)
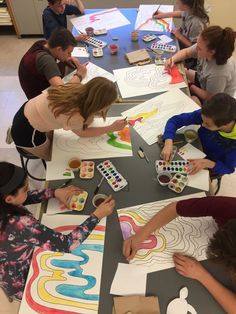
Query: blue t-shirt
point(51, 20)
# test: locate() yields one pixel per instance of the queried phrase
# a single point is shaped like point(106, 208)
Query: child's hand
point(197, 165)
point(157, 14)
point(169, 63)
point(130, 247)
point(176, 32)
point(64, 194)
point(117, 125)
point(189, 267)
point(81, 37)
point(167, 150)
point(105, 208)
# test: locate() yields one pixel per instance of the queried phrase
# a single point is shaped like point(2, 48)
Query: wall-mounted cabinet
point(27, 16)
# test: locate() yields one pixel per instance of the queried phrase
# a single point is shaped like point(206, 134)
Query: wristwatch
point(79, 76)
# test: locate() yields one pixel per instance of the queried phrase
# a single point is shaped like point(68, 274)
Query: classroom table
point(123, 34)
point(143, 188)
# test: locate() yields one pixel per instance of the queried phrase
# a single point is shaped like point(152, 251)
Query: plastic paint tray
point(78, 201)
point(178, 183)
point(87, 170)
point(113, 177)
point(174, 166)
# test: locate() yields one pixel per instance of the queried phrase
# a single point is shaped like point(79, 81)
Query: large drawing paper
point(108, 19)
point(92, 71)
point(145, 21)
point(143, 80)
point(136, 285)
point(67, 145)
point(66, 283)
point(188, 236)
point(149, 118)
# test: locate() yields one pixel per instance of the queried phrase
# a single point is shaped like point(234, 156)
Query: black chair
point(218, 177)
point(25, 157)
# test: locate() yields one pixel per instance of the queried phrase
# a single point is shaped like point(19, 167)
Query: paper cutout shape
point(67, 145)
point(187, 236)
point(108, 19)
point(66, 283)
point(180, 305)
point(149, 118)
point(145, 21)
point(143, 80)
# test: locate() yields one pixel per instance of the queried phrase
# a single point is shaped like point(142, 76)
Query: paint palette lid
point(101, 31)
point(149, 37)
point(87, 169)
point(178, 183)
point(77, 201)
point(97, 52)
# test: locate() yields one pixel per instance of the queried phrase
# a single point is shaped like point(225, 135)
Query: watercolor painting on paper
point(66, 283)
point(188, 236)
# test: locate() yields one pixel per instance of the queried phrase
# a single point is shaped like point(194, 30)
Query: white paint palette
point(101, 31)
point(178, 183)
point(78, 201)
point(87, 170)
point(95, 42)
point(149, 37)
point(97, 52)
point(174, 166)
point(116, 181)
point(164, 47)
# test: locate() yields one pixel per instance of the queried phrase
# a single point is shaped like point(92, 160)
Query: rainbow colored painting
point(65, 283)
point(145, 22)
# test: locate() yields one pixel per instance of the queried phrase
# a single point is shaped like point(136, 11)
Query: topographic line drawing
point(65, 283)
point(149, 118)
point(183, 235)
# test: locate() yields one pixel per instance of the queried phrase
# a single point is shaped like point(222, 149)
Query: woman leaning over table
point(71, 107)
point(216, 68)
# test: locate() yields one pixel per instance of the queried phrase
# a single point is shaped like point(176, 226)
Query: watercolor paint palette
point(95, 42)
point(164, 47)
point(78, 201)
point(87, 169)
point(174, 166)
point(113, 177)
point(97, 52)
point(149, 37)
point(178, 183)
point(101, 31)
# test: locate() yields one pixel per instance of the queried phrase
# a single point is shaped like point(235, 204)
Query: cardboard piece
point(137, 56)
point(136, 305)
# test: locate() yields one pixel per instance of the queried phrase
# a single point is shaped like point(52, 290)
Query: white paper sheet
point(136, 283)
point(143, 80)
point(92, 71)
point(182, 235)
point(145, 21)
point(188, 151)
point(108, 19)
point(55, 172)
point(80, 52)
point(149, 118)
point(165, 39)
point(199, 180)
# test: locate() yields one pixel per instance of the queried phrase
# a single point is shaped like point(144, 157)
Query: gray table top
point(143, 188)
point(111, 62)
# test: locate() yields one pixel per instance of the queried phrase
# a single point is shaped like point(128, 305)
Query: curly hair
point(222, 246)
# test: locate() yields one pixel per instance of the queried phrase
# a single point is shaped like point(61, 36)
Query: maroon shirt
point(221, 208)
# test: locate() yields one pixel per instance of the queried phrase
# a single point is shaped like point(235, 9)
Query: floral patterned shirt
point(23, 233)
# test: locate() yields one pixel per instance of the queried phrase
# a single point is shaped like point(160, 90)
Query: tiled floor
point(11, 98)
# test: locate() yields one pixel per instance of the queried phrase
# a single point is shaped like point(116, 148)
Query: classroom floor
point(11, 98)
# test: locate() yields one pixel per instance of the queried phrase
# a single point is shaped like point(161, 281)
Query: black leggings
point(23, 133)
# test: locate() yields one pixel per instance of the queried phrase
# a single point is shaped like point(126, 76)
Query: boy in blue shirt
point(54, 15)
point(217, 134)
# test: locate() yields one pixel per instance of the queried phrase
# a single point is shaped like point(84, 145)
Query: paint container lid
point(74, 164)
point(164, 177)
point(98, 199)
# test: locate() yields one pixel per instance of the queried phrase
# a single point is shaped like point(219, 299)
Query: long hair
point(197, 8)
point(221, 40)
point(221, 108)
point(87, 99)
point(8, 210)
